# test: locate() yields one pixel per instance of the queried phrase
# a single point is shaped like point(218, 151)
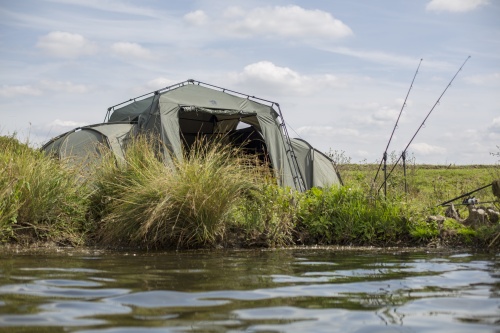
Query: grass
point(266, 218)
point(40, 198)
point(217, 196)
point(346, 216)
point(427, 186)
point(144, 203)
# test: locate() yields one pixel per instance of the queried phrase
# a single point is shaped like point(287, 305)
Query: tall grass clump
point(343, 215)
point(145, 203)
point(41, 199)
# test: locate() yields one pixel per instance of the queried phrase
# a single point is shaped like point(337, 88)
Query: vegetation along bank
point(220, 197)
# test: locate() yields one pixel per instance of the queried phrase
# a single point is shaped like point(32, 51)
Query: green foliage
point(268, 216)
point(40, 198)
point(341, 215)
point(216, 195)
point(423, 231)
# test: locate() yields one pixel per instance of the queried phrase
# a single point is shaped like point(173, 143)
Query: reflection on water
point(293, 290)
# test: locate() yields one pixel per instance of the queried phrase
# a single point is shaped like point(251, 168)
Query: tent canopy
point(183, 112)
point(82, 144)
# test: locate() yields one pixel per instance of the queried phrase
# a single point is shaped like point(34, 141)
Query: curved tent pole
point(232, 91)
point(108, 113)
point(298, 179)
point(189, 81)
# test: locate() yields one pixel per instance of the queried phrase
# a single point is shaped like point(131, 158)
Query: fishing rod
point(468, 204)
point(384, 156)
point(464, 195)
point(403, 154)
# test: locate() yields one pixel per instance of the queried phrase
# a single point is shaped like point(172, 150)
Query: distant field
point(432, 184)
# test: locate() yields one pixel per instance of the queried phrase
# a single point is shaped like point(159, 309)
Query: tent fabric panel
point(303, 154)
point(54, 146)
point(324, 171)
point(203, 97)
point(132, 110)
point(169, 128)
point(317, 169)
point(82, 143)
point(277, 150)
point(116, 134)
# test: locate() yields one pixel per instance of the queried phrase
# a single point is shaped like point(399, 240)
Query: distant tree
point(497, 154)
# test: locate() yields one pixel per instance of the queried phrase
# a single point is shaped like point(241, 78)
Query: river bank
point(222, 199)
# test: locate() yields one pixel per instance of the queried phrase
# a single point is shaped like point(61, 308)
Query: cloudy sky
point(339, 69)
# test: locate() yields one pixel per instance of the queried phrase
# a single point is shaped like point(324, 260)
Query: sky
point(340, 70)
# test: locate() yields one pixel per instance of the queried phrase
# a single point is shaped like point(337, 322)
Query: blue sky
point(340, 70)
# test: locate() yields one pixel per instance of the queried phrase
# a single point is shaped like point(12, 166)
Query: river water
point(291, 290)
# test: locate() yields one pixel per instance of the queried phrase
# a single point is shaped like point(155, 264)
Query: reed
point(41, 199)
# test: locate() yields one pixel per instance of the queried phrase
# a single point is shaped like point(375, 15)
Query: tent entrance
point(238, 129)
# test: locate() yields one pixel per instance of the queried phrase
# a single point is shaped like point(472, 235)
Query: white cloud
point(22, 90)
point(267, 77)
point(64, 86)
point(328, 131)
point(427, 149)
point(66, 45)
point(456, 6)
point(56, 127)
point(197, 17)
point(269, 72)
point(159, 83)
point(289, 21)
point(385, 114)
point(153, 85)
point(113, 6)
point(495, 126)
point(66, 123)
point(388, 58)
point(42, 87)
point(483, 79)
point(130, 50)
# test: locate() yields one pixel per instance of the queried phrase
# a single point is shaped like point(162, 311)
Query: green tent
point(182, 112)
point(83, 144)
point(185, 111)
point(317, 169)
